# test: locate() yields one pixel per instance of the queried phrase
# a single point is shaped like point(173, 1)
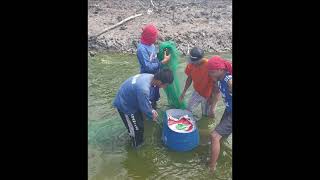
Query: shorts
point(195, 100)
point(224, 128)
point(135, 127)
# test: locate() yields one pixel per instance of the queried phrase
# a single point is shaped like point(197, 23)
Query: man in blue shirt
point(221, 71)
point(133, 99)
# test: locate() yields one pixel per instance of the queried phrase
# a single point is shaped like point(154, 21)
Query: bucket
point(179, 141)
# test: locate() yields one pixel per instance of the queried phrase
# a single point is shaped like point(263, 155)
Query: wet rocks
point(204, 13)
point(119, 18)
point(123, 27)
point(207, 25)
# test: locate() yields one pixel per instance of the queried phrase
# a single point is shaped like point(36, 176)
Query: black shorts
point(135, 127)
point(224, 128)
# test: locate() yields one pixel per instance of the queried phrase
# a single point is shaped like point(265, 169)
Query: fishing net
point(172, 91)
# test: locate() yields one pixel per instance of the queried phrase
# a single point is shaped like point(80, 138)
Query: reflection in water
point(110, 155)
point(140, 162)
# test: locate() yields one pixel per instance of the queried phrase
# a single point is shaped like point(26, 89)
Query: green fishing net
point(173, 91)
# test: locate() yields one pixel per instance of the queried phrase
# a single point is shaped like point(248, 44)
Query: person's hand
point(154, 115)
point(213, 113)
point(166, 58)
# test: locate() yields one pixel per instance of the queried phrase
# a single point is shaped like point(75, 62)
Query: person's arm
point(166, 58)
point(187, 71)
point(186, 87)
point(230, 86)
point(145, 105)
point(216, 96)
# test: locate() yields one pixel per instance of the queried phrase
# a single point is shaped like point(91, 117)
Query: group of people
point(137, 96)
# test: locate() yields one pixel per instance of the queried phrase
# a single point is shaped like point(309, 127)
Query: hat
point(216, 62)
point(196, 54)
point(149, 34)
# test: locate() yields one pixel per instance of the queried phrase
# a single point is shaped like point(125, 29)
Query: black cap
point(196, 54)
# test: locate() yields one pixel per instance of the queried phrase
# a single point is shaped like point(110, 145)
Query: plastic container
point(179, 141)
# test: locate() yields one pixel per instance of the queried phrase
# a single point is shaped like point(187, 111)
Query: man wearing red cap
point(147, 57)
point(221, 71)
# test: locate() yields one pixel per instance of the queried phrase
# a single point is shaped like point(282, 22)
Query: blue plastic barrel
point(179, 141)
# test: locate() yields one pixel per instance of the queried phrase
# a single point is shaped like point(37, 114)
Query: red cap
point(149, 34)
point(217, 62)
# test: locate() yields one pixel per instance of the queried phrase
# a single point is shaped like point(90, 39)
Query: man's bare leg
point(215, 149)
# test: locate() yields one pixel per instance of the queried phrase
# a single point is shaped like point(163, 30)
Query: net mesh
point(173, 90)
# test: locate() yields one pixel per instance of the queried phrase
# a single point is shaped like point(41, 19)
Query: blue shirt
point(147, 58)
point(224, 89)
point(133, 95)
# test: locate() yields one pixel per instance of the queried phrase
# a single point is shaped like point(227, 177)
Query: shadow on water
point(110, 155)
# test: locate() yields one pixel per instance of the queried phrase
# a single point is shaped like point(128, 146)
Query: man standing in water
point(221, 71)
point(204, 86)
point(147, 57)
point(133, 99)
